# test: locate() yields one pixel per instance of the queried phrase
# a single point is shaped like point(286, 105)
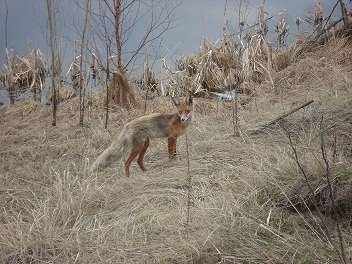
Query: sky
point(27, 22)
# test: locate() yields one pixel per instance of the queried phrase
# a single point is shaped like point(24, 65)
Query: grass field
point(261, 197)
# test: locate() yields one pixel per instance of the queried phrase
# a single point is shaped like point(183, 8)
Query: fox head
point(184, 109)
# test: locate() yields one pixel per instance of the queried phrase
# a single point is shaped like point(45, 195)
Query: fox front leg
point(171, 144)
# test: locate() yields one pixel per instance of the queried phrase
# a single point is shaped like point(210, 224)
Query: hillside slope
point(254, 197)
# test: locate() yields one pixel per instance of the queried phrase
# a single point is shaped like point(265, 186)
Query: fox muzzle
point(185, 118)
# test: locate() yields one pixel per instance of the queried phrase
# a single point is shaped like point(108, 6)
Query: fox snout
point(184, 118)
point(184, 115)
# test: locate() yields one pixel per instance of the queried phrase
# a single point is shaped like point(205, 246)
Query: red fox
point(136, 135)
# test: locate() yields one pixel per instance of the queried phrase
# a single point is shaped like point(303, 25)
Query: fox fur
point(136, 135)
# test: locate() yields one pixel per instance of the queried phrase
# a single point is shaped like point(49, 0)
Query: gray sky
point(27, 21)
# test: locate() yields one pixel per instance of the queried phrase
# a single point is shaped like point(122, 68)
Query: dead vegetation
point(61, 95)
point(20, 74)
point(114, 91)
point(250, 201)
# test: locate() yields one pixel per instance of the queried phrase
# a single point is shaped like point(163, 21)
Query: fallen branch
point(323, 31)
point(286, 115)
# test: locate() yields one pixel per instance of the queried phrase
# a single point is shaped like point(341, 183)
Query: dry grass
point(26, 72)
point(242, 190)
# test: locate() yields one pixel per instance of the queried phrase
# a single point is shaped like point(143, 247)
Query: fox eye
point(187, 111)
point(180, 112)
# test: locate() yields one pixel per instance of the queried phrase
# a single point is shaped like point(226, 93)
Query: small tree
point(50, 4)
point(83, 76)
point(156, 16)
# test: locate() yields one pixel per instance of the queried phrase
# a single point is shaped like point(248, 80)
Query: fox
point(136, 134)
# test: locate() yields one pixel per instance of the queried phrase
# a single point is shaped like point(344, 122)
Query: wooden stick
point(286, 114)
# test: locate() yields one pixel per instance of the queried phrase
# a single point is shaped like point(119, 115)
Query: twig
point(342, 254)
point(286, 114)
point(300, 166)
point(189, 182)
point(328, 28)
point(107, 86)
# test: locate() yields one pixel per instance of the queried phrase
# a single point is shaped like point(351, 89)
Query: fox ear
point(189, 99)
point(175, 101)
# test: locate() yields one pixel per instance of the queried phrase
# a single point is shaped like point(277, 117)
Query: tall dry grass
point(243, 207)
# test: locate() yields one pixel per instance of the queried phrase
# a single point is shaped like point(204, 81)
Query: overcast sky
point(27, 21)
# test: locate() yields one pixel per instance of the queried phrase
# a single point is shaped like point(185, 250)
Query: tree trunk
point(51, 44)
point(82, 82)
point(107, 85)
point(120, 67)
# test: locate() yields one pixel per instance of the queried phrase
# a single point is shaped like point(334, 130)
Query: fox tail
point(113, 152)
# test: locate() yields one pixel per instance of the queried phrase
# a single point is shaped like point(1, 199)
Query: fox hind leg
point(142, 153)
point(137, 148)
